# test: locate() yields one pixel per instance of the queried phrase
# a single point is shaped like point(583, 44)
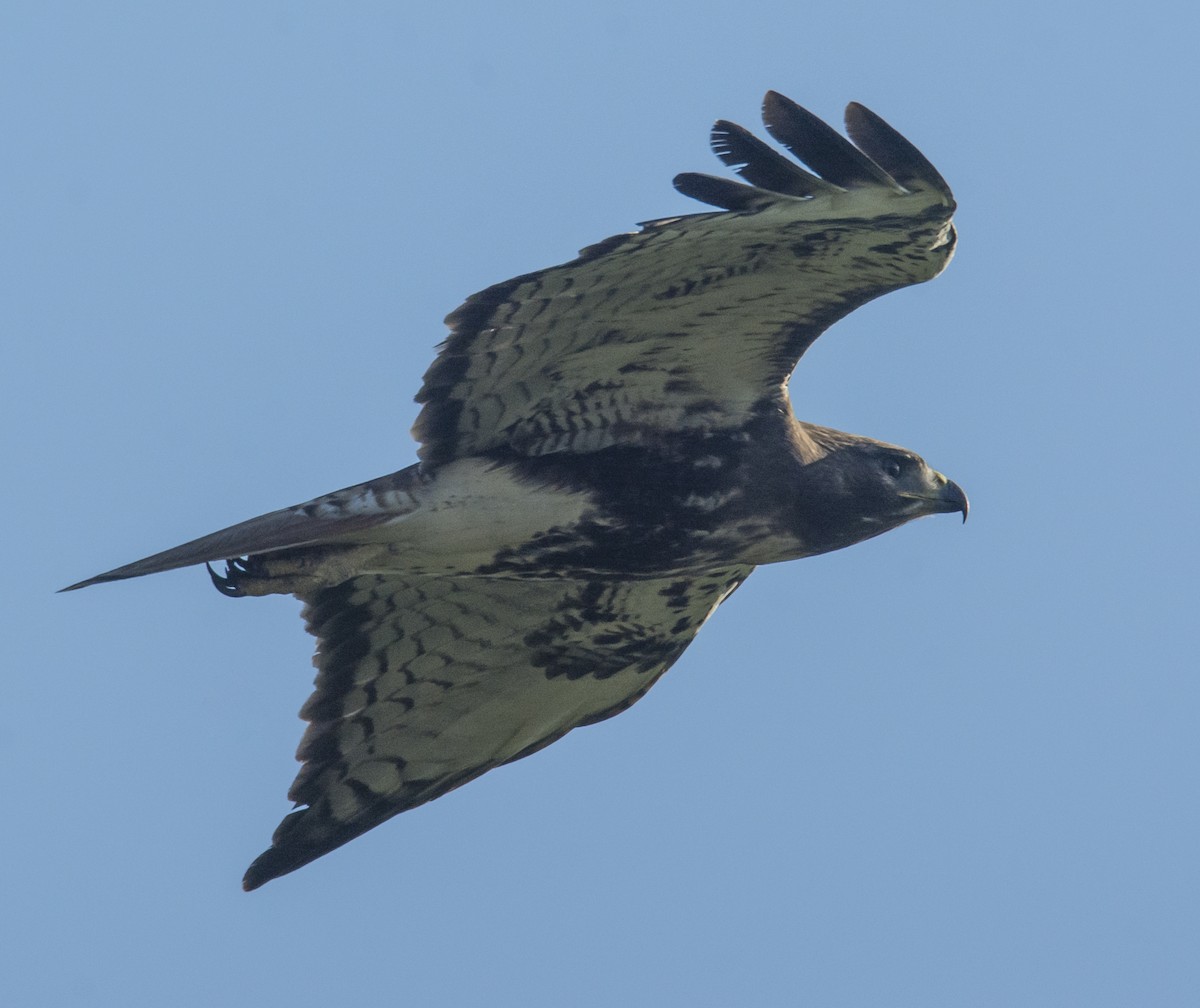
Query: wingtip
point(818, 145)
point(717, 191)
point(253, 880)
point(893, 152)
point(270, 864)
point(290, 849)
point(772, 99)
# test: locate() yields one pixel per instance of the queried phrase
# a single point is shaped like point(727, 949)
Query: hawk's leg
point(290, 572)
point(265, 575)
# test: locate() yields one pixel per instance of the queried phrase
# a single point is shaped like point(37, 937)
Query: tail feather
point(340, 515)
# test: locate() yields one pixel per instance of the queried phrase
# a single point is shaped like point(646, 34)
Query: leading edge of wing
point(695, 321)
point(336, 515)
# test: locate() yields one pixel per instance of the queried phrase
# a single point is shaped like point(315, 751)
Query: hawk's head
point(862, 488)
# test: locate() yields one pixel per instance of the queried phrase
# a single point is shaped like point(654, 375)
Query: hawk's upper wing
point(424, 684)
point(693, 322)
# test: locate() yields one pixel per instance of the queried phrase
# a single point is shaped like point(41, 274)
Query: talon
point(250, 566)
point(227, 584)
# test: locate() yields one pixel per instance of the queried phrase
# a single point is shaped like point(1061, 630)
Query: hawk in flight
point(607, 451)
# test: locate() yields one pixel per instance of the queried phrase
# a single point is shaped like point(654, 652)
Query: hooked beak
point(948, 496)
point(951, 497)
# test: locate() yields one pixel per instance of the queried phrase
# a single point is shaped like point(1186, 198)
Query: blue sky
point(952, 766)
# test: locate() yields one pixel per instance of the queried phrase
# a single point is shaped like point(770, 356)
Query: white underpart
point(711, 502)
point(471, 510)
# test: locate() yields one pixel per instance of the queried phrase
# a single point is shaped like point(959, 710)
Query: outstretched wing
point(695, 322)
point(424, 684)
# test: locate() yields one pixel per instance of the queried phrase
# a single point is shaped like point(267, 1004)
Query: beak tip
point(954, 496)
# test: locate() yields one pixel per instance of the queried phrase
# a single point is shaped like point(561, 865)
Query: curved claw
point(228, 583)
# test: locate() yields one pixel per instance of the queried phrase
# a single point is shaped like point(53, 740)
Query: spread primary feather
point(607, 451)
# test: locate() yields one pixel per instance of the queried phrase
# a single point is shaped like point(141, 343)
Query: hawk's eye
point(893, 467)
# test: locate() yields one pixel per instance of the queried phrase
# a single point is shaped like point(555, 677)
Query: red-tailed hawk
point(607, 452)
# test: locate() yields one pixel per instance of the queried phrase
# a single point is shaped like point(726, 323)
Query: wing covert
point(693, 323)
point(424, 684)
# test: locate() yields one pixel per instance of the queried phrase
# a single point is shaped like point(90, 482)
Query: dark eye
point(894, 467)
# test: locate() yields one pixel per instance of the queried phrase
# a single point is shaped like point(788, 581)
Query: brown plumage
point(607, 451)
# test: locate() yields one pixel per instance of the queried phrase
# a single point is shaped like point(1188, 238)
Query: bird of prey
point(607, 450)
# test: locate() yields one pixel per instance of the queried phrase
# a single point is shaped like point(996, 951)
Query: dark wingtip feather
point(720, 192)
point(288, 851)
point(892, 152)
point(309, 833)
point(819, 145)
point(267, 866)
point(882, 158)
point(759, 165)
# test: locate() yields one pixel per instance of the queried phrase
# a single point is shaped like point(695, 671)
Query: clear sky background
point(955, 766)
